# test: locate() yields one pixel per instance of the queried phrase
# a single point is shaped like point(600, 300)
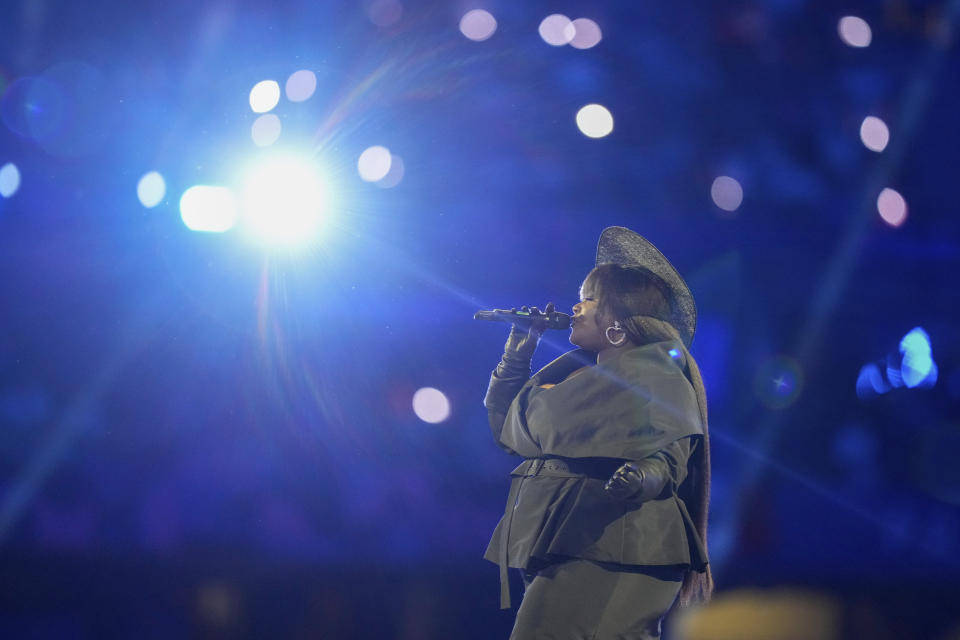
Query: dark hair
point(641, 302)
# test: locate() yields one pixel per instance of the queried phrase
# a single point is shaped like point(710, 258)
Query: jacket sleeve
point(505, 383)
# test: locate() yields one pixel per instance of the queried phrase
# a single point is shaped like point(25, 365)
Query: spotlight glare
point(264, 96)
point(301, 85)
point(431, 405)
point(892, 207)
point(874, 134)
point(594, 121)
point(478, 25)
point(207, 208)
point(557, 30)
point(854, 31)
point(9, 179)
point(284, 200)
point(151, 189)
point(586, 34)
point(374, 163)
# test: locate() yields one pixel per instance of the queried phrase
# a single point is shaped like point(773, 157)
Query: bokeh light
point(374, 163)
point(383, 13)
point(478, 25)
point(9, 179)
point(918, 367)
point(300, 85)
point(874, 134)
point(266, 130)
point(871, 382)
point(726, 193)
point(208, 208)
point(431, 405)
point(594, 121)
point(284, 200)
point(151, 189)
point(264, 96)
point(557, 30)
point(778, 382)
point(395, 175)
point(586, 34)
point(854, 31)
point(892, 207)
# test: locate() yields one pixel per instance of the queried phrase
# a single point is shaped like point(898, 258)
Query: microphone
point(554, 319)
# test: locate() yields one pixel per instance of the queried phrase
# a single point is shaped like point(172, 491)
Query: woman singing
point(606, 516)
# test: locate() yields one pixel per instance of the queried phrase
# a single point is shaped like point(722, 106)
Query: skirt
point(580, 599)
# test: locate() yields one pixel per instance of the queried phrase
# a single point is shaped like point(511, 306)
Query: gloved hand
point(521, 345)
point(626, 482)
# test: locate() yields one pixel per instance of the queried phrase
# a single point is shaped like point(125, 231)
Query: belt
point(599, 468)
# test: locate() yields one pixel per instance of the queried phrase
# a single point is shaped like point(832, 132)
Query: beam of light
point(285, 200)
point(431, 405)
point(854, 31)
point(9, 179)
point(844, 259)
point(594, 121)
point(135, 332)
point(264, 96)
point(151, 189)
point(478, 25)
point(207, 208)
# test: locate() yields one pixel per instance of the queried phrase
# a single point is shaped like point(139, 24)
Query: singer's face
point(586, 331)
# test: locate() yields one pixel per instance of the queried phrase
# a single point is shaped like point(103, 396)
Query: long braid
point(697, 587)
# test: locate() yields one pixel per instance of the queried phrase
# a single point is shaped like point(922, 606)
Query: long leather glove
point(520, 347)
point(646, 479)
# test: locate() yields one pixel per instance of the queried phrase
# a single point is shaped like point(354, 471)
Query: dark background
point(201, 437)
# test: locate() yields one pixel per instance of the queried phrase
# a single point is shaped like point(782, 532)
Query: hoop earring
point(616, 327)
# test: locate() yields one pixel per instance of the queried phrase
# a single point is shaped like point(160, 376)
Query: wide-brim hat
point(619, 245)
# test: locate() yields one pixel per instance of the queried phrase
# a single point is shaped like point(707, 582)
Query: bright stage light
point(892, 207)
point(726, 193)
point(151, 189)
point(557, 30)
point(206, 208)
point(374, 163)
point(301, 85)
point(431, 405)
point(9, 179)
point(874, 133)
point(478, 25)
point(586, 34)
point(264, 96)
point(284, 200)
point(854, 31)
point(594, 121)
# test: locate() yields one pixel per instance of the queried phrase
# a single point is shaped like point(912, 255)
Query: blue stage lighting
point(285, 200)
point(918, 367)
point(206, 208)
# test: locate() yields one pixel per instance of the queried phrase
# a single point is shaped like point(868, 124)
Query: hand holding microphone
point(528, 324)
